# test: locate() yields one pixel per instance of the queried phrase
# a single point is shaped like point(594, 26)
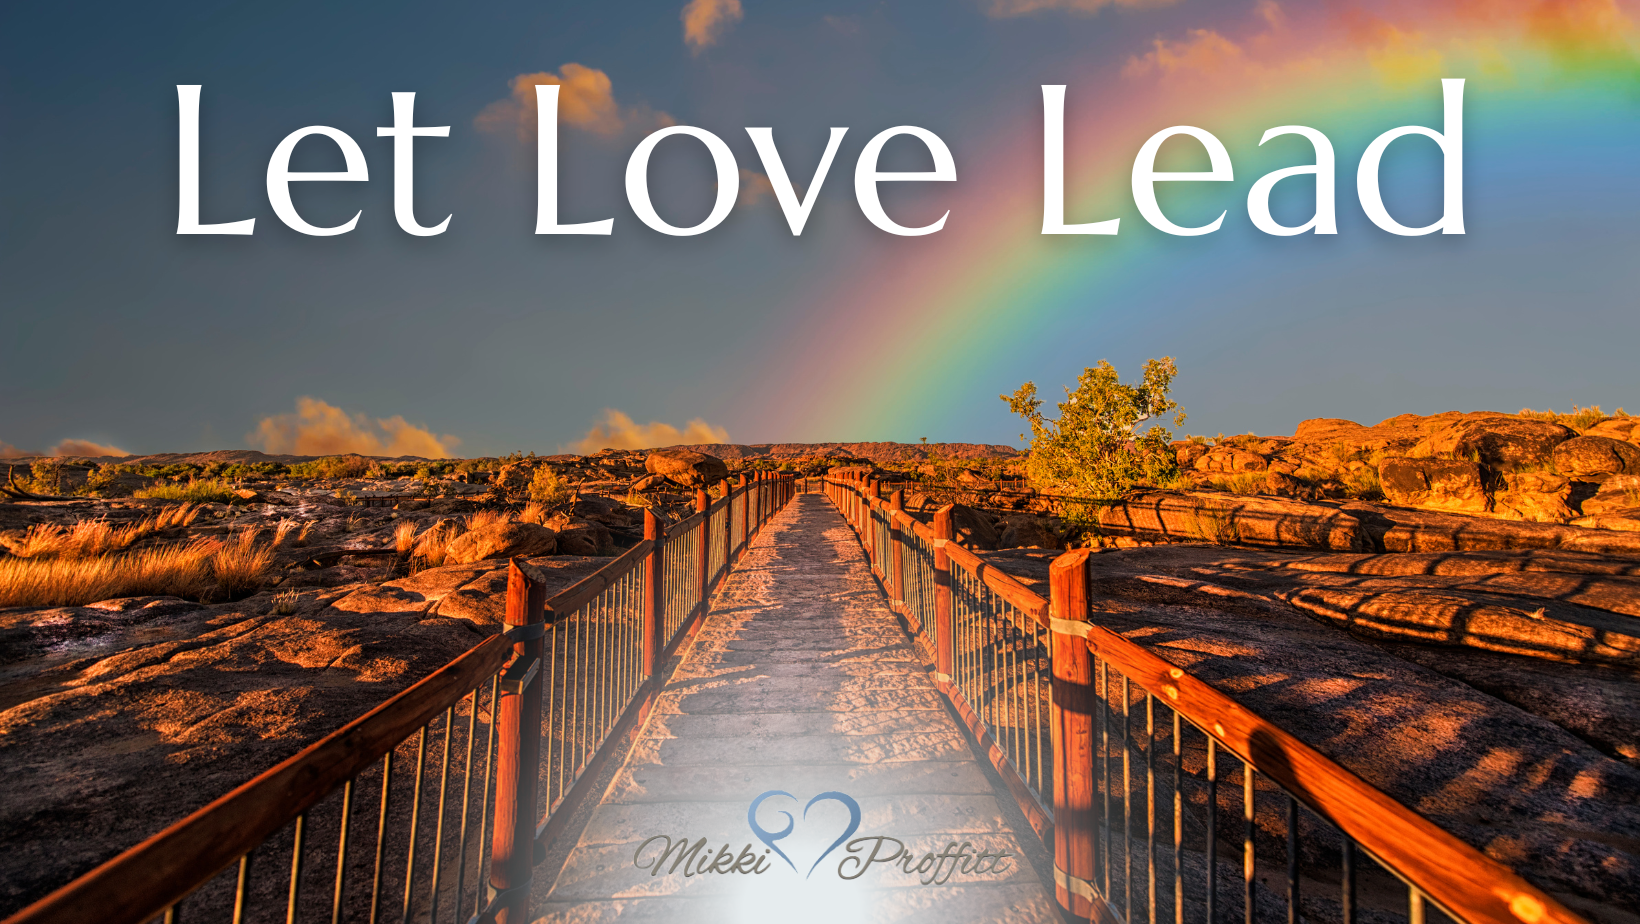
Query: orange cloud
point(754, 186)
point(618, 431)
point(1205, 52)
point(8, 451)
point(586, 100)
point(1003, 9)
point(86, 448)
point(321, 429)
point(706, 21)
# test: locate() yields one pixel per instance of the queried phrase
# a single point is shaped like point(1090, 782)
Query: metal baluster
point(1347, 881)
point(1150, 805)
point(1104, 764)
point(241, 889)
point(466, 799)
point(1247, 859)
point(1127, 806)
point(295, 870)
point(1212, 828)
point(438, 826)
point(1178, 819)
point(381, 834)
point(1415, 905)
point(1292, 860)
point(415, 822)
point(484, 804)
point(341, 853)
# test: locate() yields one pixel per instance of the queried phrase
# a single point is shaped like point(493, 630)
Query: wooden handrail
point(162, 870)
point(576, 595)
point(1001, 583)
point(1455, 875)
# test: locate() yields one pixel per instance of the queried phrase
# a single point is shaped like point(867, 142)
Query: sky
point(118, 333)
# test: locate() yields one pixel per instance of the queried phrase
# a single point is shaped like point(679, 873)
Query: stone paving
point(800, 681)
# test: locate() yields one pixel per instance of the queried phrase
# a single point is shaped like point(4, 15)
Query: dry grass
point(404, 538)
point(431, 546)
point(202, 570)
point(284, 603)
point(288, 532)
point(1238, 482)
point(1580, 419)
point(485, 518)
point(533, 513)
point(89, 538)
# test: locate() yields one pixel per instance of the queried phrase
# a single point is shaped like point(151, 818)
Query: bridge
point(801, 703)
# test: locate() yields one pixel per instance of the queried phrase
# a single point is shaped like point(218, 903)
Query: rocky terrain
point(1449, 605)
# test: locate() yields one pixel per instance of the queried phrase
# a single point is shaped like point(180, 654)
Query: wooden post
point(654, 603)
point(512, 851)
point(728, 527)
point(896, 507)
point(703, 548)
point(1071, 721)
point(757, 500)
point(944, 634)
point(745, 517)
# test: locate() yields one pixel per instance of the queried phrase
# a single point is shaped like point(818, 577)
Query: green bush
point(1094, 449)
point(332, 467)
point(207, 491)
point(548, 488)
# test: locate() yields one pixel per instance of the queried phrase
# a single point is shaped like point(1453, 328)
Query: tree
point(1095, 448)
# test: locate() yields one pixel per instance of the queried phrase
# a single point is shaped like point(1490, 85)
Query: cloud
point(1205, 51)
point(586, 101)
point(754, 186)
point(8, 451)
point(1005, 9)
point(86, 448)
point(321, 429)
point(618, 431)
point(706, 21)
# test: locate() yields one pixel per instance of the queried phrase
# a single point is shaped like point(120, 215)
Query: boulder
point(972, 528)
point(1594, 458)
point(501, 540)
point(1283, 484)
point(1537, 497)
point(1498, 441)
point(247, 496)
point(1455, 486)
point(1232, 518)
point(1188, 451)
point(1618, 492)
point(1023, 530)
point(686, 467)
point(1626, 429)
point(649, 483)
point(1324, 429)
point(581, 537)
point(1229, 459)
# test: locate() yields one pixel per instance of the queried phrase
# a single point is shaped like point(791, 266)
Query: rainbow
point(890, 350)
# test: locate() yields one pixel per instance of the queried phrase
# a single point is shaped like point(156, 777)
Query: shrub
point(350, 466)
point(196, 492)
point(1094, 448)
point(548, 488)
point(104, 481)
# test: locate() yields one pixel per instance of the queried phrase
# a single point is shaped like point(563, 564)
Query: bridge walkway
point(800, 681)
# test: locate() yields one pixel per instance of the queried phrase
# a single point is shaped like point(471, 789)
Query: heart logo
point(769, 837)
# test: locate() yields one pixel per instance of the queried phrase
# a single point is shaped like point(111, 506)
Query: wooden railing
point(1127, 733)
point(502, 739)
